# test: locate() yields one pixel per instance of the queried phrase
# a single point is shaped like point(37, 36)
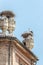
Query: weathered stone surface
point(3, 54)
point(11, 53)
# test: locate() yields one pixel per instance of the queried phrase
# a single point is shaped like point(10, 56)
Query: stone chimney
point(28, 39)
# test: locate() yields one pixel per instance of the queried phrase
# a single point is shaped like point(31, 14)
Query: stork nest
point(25, 35)
point(7, 14)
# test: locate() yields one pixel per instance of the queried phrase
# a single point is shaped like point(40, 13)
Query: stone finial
point(28, 39)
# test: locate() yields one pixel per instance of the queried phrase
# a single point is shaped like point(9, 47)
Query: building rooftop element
point(7, 22)
point(20, 44)
point(28, 39)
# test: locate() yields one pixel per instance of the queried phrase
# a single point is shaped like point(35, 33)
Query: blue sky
point(29, 14)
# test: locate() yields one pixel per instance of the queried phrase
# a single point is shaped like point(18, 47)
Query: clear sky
point(29, 14)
